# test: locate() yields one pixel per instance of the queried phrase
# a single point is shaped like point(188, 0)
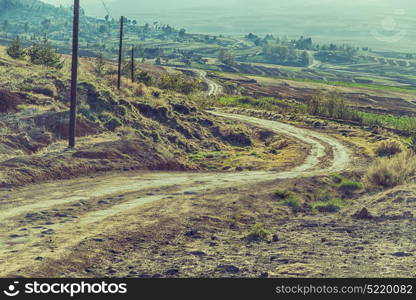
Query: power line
point(105, 7)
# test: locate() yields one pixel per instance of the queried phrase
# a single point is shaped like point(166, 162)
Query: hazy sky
point(339, 20)
point(135, 6)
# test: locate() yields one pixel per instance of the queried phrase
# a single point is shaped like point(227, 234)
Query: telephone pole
point(120, 52)
point(74, 77)
point(132, 63)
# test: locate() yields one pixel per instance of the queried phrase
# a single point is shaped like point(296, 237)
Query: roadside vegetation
point(333, 106)
point(328, 194)
point(267, 103)
point(388, 172)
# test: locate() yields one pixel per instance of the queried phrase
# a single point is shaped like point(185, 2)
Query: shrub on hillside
point(144, 77)
point(388, 148)
point(41, 53)
point(15, 49)
point(331, 106)
point(388, 172)
point(178, 83)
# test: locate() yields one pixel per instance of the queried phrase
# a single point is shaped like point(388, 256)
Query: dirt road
point(214, 88)
point(44, 222)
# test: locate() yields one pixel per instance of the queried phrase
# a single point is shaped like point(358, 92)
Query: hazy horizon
point(375, 22)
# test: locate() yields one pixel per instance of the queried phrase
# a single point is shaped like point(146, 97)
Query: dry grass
point(388, 148)
point(390, 172)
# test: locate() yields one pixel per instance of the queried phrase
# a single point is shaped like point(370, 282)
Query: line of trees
point(39, 53)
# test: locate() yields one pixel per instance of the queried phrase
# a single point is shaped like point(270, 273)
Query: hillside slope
point(139, 127)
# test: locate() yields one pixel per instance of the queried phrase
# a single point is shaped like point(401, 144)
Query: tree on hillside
point(41, 53)
point(304, 43)
point(15, 49)
point(226, 57)
point(182, 33)
point(305, 58)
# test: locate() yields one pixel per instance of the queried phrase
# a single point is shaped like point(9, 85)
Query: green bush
point(332, 106)
point(144, 77)
point(15, 49)
point(178, 83)
point(346, 185)
point(335, 107)
point(292, 202)
point(41, 53)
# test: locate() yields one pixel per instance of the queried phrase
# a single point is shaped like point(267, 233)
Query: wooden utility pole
point(132, 63)
point(120, 52)
point(74, 77)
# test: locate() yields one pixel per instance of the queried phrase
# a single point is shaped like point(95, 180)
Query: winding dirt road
point(44, 221)
point(214, 89)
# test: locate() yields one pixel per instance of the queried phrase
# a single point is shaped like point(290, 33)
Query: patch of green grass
point(369, 86)
point(359, 85)
point(207, 154)
point(258, 233)
point(346, 185)
point(292, 202)
point(287, 198)
point(404, 123)
point(337, 177)
point(330, 206)
point(350, 185)
point(21, 107)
